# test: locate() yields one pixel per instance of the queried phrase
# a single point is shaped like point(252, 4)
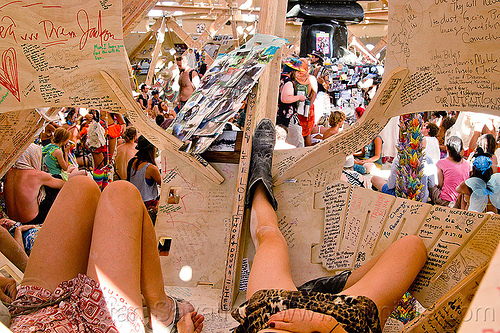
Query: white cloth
point(191, 60)
point(390, 135)
point(432, 148)
point(322, 106)
point(31, 159)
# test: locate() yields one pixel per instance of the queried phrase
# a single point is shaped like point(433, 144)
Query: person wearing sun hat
point(307, 85)
point(287, 99)
point(316, 58)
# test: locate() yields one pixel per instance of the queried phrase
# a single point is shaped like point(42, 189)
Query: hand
point(123, 127)
point(190, 323)
point(26, 227)
point(301, 321)
point(8, 290)
point(359, 162)
point(302, 98)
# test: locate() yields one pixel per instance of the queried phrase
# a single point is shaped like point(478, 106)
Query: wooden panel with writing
point(378, 213)
point(447, 313)
point(456, 69)
point(17, 131)
point(198, 224)
point(481, 315)
point(405, 218)
point(336, 200)
point(52, 52)
point(444, 232)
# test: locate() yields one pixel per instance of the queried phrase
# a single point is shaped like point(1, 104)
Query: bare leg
point(378, 182)
point(98, 160)
point(391, 275)
point(112, 147)
point(308, 140)
point(62, 245)
point(13, 250)
point(123, 254)
point(271, 264)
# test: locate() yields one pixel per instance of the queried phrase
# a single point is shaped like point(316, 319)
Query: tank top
point(50, 160)
point(139, 180)
point(285, 110)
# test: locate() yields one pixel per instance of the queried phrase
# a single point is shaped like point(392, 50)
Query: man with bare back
point(188, 80)
point(22, 188)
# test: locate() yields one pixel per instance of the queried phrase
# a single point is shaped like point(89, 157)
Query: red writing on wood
point(97, 32)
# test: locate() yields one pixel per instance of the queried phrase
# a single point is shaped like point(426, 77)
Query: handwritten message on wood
point(484, 309)
point(454, 307)
point(444, 232)
point(336, 198)
point(17, 131)
point(51, 53)
point(451, 50)
point(359, 225)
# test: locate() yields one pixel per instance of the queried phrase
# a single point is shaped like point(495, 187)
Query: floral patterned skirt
point(77, 305)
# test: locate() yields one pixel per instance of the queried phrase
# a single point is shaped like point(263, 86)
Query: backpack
point(96, 136)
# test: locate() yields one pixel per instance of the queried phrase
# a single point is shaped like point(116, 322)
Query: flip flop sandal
point(172, 328)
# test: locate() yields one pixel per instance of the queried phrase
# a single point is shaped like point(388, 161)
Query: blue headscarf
point(482, 163)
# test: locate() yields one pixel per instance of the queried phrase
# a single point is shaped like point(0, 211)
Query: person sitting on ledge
point(363, 299)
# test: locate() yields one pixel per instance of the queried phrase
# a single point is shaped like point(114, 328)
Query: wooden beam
point(235, 32)
point(156, 52)
point(183, 35)
point(382, 14)
point(155, 134)
point(212, 10)
point(353, 39)
point(380, 46)
point(272, 23)
point(133, 11)
point(144, 39)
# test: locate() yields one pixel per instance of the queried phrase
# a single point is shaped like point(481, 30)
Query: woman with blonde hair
point(55, 155)
point(336, 121)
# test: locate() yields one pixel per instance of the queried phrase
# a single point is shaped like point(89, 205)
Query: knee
point(269, 234)
point(84, 184)
point(121, 190)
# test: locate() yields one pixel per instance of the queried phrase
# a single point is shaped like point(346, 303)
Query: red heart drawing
point(8, 72)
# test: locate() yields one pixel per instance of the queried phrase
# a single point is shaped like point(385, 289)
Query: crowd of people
point(454, 175)
point(80, 159)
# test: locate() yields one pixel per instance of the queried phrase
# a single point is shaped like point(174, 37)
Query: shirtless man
point(22, 186)
point(125, 152)
point(188, 80)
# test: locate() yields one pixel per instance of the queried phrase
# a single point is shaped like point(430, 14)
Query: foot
point(261, 162)
point(166, 314)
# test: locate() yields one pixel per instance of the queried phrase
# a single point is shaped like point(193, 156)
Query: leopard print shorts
point(354, 313)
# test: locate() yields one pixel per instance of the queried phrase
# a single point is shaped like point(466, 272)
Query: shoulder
point(151, 167)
